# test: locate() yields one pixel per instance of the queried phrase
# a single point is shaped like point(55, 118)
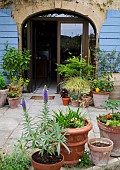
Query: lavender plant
point(47, 135)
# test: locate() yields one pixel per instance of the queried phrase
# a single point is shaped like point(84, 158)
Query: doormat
point(41, 97)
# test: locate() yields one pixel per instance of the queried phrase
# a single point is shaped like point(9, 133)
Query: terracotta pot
point(112, 133)
point(13, 102)
point(76, 139)
point(66, 101)
point(100, 155)
point(3, 97)
point(75, 103)
point(38, 166)
point(85, 101)
point(99, 98)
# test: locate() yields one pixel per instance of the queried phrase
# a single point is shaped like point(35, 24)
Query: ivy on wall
point(101, 6)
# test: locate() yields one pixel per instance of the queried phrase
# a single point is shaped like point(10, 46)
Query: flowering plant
point(45, 135)
point(113, 118)
point(70, 118)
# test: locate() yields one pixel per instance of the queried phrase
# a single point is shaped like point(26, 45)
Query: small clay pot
point(100, 149)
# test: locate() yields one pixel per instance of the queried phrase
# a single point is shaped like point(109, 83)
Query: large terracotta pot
point(13, 102)
point(99, 98)
point(100, 149)
point(112, 133)
point(76, 139)
point(66, 101)
point(38, 166)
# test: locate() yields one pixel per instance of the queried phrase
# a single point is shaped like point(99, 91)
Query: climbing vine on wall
point(101, 6)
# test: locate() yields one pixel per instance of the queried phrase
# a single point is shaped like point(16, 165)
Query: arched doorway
point(50, 36)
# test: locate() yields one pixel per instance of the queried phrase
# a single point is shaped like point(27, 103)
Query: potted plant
point(47, 136)
point(109, 125)
point(77, 133)
point(74, 97)
point(13, 98)
point(65, 97)
point(100, 149)
point(101, 89)
point(15, 63)
point(3, 91)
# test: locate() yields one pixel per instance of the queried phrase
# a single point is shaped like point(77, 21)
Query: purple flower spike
point(45, 94)
point(23, 104)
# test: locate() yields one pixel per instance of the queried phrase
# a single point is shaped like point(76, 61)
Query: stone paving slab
point(11, 124)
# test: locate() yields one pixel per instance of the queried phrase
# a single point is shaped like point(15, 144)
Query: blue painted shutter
point(109, 38)
point(8, 31)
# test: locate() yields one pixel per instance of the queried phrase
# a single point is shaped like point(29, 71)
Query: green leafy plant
point(2, 83)
point(12, 94)
point(15, 161)
point(113, 118)
point(70, 118)
point(74, 96)
point(102, 84)
point(75, 67)
point(45, 135)
point(15, 62)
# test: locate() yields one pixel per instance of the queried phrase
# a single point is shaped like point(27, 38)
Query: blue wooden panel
point(112, 21)
point(110, 35)
point(8, 28)
point(110, 48)
point(6, 11)
point(9, 40)
point(8, 34)
point(111, 29)
point(7, 20)
point(109, 42)
point(112, 13)
point(2, 46)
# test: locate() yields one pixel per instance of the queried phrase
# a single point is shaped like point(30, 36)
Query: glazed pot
point(76, 139)
point(99, 98)
point(39, 166)
point(112, 133)
point(100, 149)
point(66, 101)
point(13, 102)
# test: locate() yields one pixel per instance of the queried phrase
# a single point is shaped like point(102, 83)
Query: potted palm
point(77, 133)
point(46, 136)
point(101, 89)
point(3, 91)
point(109, 125)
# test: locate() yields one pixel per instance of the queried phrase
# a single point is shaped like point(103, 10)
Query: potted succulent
point(100, 149)
point(109, 125)
point(47, 136)
point(65, 97)
point(77, 133)
point(3, 91)
point(101, 89)
point(74, 97)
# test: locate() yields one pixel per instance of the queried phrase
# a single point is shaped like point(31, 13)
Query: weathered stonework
point(95, 10)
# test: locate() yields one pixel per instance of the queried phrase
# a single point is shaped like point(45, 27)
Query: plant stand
point(100, 149)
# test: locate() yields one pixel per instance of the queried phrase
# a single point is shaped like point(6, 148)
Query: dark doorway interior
point(44, 52)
